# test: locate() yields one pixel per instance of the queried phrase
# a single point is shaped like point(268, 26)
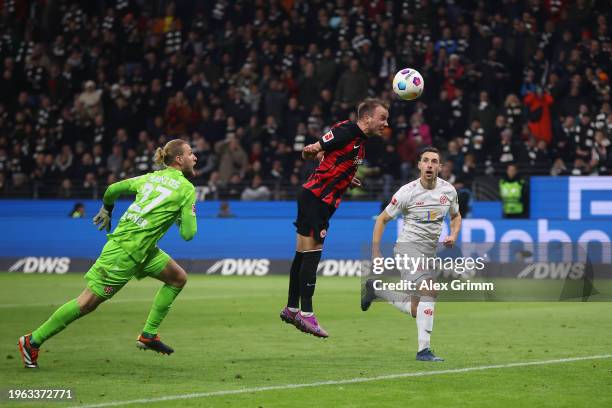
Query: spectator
point(232, 158)
point(65, 190)
point(352, 85)
point(506, 152)
point(538, 103)
point(115, 159)
point(232, 189)
point(89, 104)
point(558, 168)
point(256, 191)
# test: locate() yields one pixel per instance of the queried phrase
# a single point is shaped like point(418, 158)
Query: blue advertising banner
point(271, 237)
point(571, 198)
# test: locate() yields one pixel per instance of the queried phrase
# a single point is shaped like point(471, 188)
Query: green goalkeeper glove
point(103, 218)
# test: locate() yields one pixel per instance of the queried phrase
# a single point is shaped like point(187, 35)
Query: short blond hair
point(367, 106)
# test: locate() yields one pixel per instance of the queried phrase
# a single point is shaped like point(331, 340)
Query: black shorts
point(313, 215)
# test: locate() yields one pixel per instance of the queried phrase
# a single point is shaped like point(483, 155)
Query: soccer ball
point(408, 84)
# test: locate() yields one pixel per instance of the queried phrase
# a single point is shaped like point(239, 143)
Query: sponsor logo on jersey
point(431, 216)
point(420, 203)
point(240, 267)
point(31, 264)
point(328, 136)
point(394, 201)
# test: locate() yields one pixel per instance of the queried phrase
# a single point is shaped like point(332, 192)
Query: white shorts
point(414, 252)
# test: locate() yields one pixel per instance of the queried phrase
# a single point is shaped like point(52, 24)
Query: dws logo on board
point(31, 264)
point(240, 267)
point(339, 267)
point(553, 270)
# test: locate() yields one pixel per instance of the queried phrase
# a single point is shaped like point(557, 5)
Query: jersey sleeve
point(127, 186)
point(335, 139)
point(454, 208)
point(396, 206)
point(189, 225)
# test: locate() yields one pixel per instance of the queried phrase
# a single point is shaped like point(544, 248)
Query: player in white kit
point(423, 204)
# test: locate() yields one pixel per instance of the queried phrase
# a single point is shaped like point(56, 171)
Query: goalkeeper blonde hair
point(167, 155)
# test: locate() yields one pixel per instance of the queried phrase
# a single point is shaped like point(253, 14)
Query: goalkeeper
point(162, 198)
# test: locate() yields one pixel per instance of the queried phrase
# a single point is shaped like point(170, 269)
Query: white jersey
point(423, 211)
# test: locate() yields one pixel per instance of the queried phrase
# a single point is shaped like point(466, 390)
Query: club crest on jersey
point(443, 199)
point(394, 201)
point(328, 136)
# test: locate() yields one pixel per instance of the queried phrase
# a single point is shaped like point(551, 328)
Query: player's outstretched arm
point(379, 228)
point(103, 217)
point(188, 225)
point(313, 151)
point(127, 186)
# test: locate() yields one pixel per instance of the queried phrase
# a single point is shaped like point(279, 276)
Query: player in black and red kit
point(340, 151)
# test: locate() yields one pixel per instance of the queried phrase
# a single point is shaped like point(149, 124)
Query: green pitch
point(228, 336)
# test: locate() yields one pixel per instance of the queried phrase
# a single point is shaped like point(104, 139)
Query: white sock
point(307, 314)
point(293, 309)
point(424, 321)
point(399, 300)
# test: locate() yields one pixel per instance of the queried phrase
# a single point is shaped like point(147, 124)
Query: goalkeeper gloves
point(103, 218)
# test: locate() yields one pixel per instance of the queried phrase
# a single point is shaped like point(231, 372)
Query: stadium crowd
point(90, 89)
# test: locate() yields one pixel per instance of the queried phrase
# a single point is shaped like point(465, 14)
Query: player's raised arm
point(188, 225)
point(103, 218)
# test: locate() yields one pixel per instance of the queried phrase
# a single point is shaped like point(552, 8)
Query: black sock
point(294, 281)
point(308, 278)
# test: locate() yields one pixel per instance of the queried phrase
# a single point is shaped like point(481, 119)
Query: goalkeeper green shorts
point(115, 267)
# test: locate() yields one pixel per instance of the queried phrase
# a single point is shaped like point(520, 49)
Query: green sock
point(161, 306)
point(59, 320)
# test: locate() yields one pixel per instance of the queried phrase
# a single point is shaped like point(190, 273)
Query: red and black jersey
point(344, 151)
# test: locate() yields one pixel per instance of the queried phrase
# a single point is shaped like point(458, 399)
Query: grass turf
point(227, 336)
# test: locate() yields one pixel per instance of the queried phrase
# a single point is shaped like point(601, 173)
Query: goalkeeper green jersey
point(162, 198)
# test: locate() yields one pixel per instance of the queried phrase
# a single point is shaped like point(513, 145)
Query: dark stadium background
point(91, 88)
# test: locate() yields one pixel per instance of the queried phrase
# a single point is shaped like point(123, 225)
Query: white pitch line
point(340, 382)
